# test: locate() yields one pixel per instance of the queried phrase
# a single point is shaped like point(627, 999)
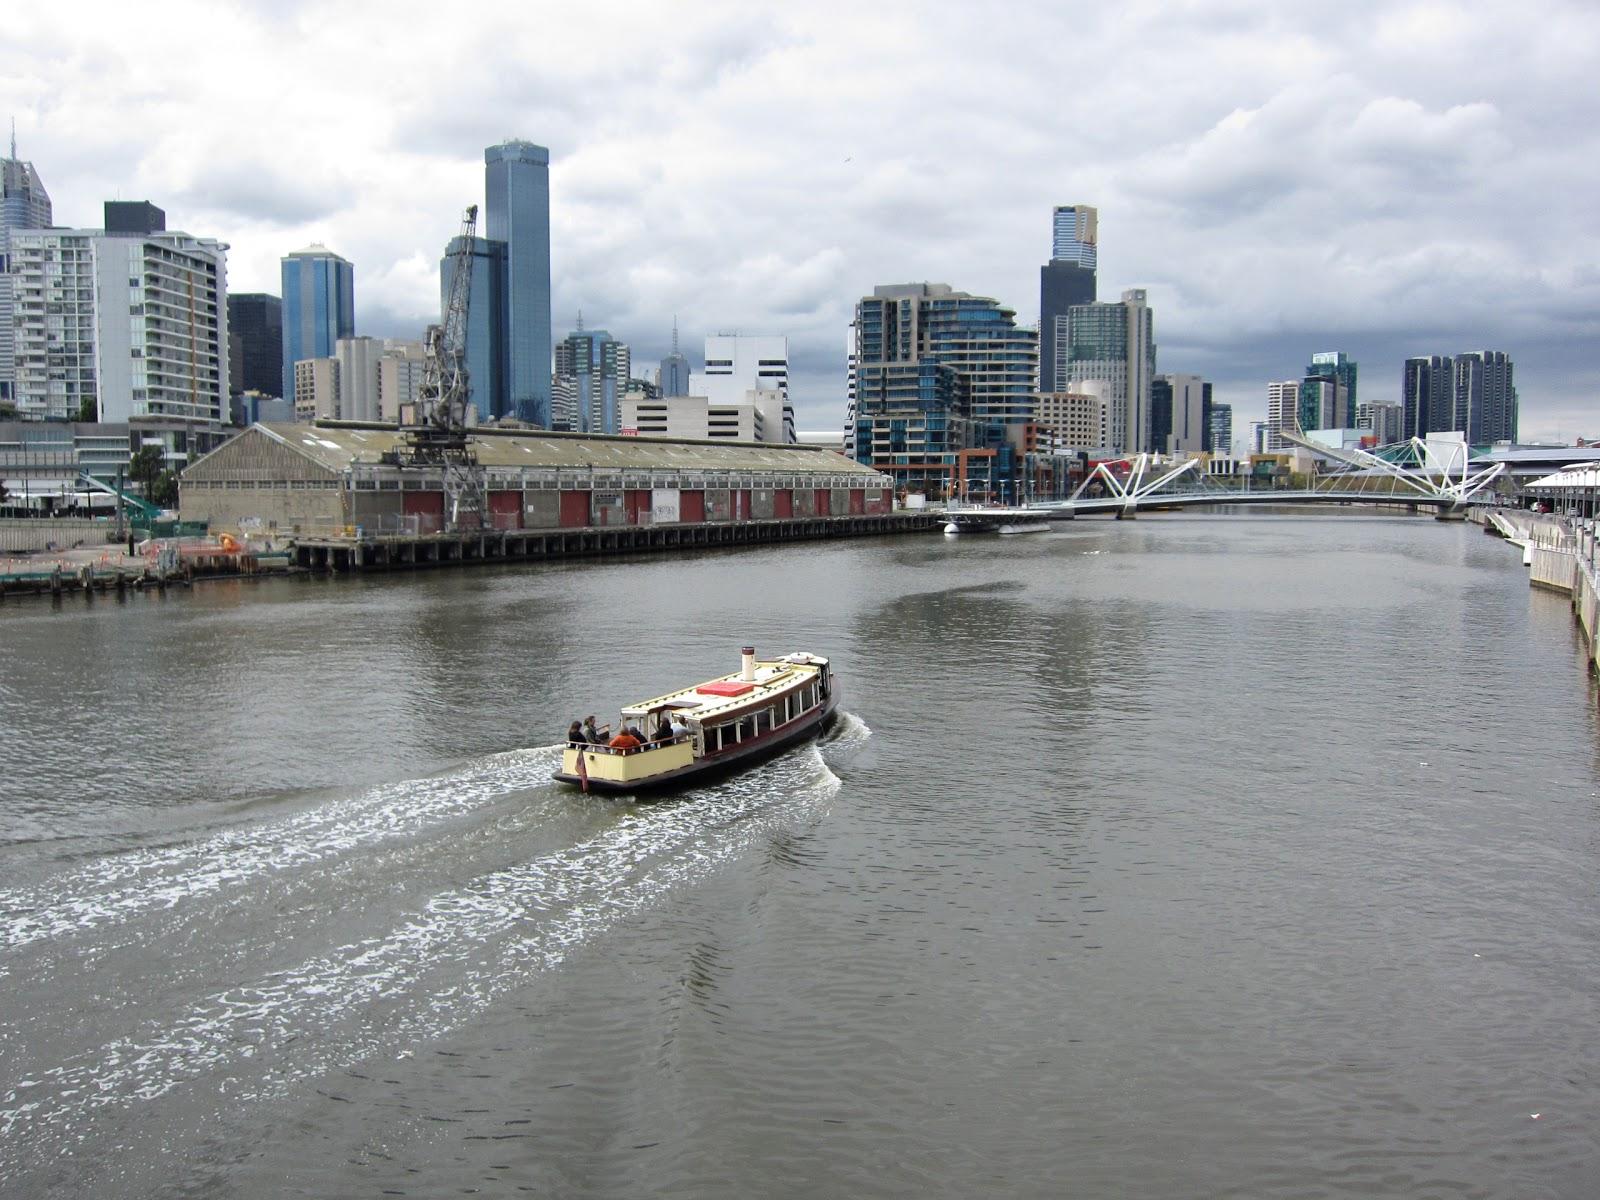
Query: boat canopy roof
point(733, 693)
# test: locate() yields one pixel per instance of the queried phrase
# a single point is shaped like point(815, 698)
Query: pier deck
point(406, 552)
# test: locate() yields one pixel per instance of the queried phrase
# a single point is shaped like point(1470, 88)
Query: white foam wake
point(117, 887)
point(451, 959)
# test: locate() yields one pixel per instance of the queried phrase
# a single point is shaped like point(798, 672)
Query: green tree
point(88, 411)
point(145, 466)
point(164, 491)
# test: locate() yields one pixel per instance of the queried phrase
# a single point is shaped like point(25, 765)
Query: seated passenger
point(679, 729)
point(575, 734)
point(595, 737)
point(663, 730)
point(625, 741)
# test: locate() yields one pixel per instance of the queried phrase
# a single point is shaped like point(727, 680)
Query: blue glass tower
point(319, 306)
point(517, 176)
point(486, 324)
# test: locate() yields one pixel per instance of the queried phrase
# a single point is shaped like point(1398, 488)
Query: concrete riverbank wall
point(1560, 555)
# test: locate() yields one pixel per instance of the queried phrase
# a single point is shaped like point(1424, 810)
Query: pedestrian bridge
point(1435, 478)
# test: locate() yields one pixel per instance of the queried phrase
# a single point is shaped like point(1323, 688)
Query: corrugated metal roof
point(336, 447)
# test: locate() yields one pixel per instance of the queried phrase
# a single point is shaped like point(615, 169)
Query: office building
point(1385, 421)
point(1427, 396)
point(400, 370)
point(488, 342)
point(319, 305)
point(1177, 415)
point(1071, 420)
point(743, 369)
point(1328, 393)
point(1221, 431)
point(1283, 413)
point(902, 329)
point(24, 204)
point(692, 417)
point(597, 368)
point(255, 325)
point(1485, 397)
point(316, 389)
point(517, 183)
point(358, 359)
point(1113, 343)
point(1066, 280)
point(674, 379)
point(134, 324)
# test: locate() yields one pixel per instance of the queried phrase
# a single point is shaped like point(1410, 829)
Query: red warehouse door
point(574, 509)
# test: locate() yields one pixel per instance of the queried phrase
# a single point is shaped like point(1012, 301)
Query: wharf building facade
point(130, 321)
point(517, 217)
point(944, 389)
point(24, 204)
point(297, 478)
point(1068, 279)
point(1112, 343)
point(319, 304)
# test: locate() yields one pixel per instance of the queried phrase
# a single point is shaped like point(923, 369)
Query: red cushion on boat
point(726, 687)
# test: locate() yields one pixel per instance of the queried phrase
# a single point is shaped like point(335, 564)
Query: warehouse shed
point(316, 479)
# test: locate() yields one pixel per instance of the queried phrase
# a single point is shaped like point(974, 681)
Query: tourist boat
point(731, 721)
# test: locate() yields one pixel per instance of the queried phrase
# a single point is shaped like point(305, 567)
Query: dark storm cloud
point(1384, 178)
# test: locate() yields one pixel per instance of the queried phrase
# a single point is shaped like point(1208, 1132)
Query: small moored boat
point(730, 721)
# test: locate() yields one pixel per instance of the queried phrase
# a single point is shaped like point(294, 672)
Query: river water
point(1248, 856)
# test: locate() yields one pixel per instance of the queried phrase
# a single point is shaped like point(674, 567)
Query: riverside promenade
point(1560, 553)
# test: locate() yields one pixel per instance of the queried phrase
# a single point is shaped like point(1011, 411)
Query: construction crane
point(440, 438)
point(443, 395)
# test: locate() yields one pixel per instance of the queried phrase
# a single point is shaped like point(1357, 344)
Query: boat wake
point(428, 969)
point(116, 887)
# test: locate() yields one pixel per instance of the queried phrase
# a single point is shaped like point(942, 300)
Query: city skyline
point(755, 200)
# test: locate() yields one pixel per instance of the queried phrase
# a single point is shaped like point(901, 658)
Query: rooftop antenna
point(674, 333)
point(580, 320)
point(13, 137)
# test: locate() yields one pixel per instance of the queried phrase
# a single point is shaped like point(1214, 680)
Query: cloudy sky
point(1385, 179)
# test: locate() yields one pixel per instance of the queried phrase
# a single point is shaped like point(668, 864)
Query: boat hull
point(746, 754)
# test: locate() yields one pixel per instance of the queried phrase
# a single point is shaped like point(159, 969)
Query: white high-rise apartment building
point(136, 322)
point(737, 365)
point(1283, 412)
point(24, 204)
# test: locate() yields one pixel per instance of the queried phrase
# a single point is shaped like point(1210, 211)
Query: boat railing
point(603, 748)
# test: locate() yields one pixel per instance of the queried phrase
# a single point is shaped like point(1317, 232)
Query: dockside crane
point(440, 439)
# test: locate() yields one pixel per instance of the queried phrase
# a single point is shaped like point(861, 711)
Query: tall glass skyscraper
point(517, 176)
point(24, 204)
point(595, 366)
point(1066, 280)
point(486, 324)
point(319, 305)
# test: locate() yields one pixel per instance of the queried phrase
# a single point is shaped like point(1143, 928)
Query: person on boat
point(575, 735)
point(625, 740)
point(663, 729)
point(678, 728)
point(595, 737)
